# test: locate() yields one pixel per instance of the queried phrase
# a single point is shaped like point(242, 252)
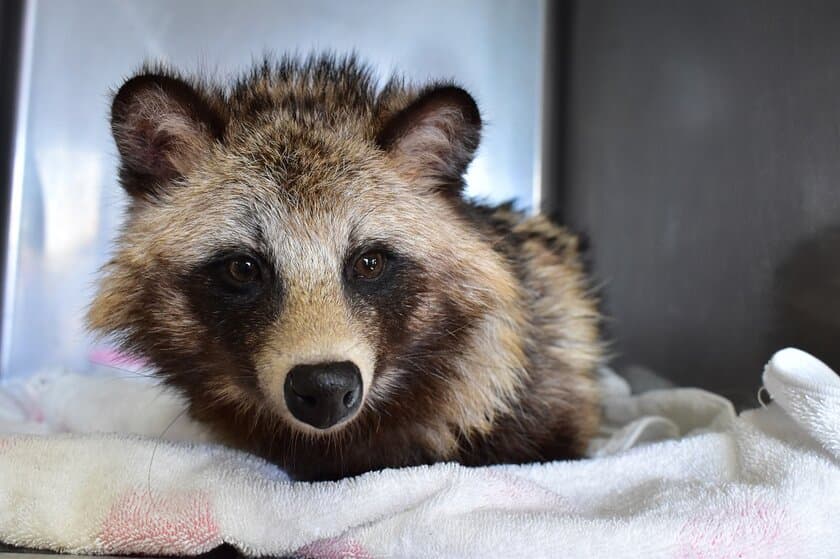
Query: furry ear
point(434, 139)
point(161, 126)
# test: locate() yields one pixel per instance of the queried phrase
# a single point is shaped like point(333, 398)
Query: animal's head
point(294, 247)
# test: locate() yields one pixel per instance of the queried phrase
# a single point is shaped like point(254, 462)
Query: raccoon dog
point(298, 260)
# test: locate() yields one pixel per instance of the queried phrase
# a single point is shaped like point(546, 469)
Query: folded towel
point(676, 474)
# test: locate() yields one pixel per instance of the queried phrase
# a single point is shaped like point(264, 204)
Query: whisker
point(154, 452)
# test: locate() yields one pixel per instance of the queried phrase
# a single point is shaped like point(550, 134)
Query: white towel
point(676, 475)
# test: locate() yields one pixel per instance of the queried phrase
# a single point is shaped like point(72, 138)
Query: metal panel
point(11, 26)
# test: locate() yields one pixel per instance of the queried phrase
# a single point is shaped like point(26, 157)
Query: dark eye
point(369, 265)
point(242, 270)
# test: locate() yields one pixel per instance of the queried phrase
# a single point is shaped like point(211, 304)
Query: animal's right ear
point(161, 125)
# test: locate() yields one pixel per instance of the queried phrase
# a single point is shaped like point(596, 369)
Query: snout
point(324, 394)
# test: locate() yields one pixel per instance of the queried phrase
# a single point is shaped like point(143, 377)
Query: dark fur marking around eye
point(392, 296)
point(396, 296)
point(234, 315)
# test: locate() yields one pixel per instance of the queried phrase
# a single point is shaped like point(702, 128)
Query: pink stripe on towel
point(745, 529)
point(154, 524)
point(334, 548)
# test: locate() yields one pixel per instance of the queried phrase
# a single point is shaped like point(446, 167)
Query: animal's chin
point(299, 427)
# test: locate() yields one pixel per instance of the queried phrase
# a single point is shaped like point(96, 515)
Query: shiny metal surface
point(68, 202)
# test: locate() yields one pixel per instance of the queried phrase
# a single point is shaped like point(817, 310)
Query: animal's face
point(297, 265)
point(297, 268)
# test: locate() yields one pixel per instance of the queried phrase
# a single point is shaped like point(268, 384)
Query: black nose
point(323, 394)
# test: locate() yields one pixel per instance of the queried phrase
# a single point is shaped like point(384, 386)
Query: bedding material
point(113, 466)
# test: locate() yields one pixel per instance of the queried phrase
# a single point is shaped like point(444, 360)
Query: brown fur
point(480, 349)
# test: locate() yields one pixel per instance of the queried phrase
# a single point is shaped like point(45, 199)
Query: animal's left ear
point(432, 141)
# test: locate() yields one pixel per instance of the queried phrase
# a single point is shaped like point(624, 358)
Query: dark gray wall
point(702, 159)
